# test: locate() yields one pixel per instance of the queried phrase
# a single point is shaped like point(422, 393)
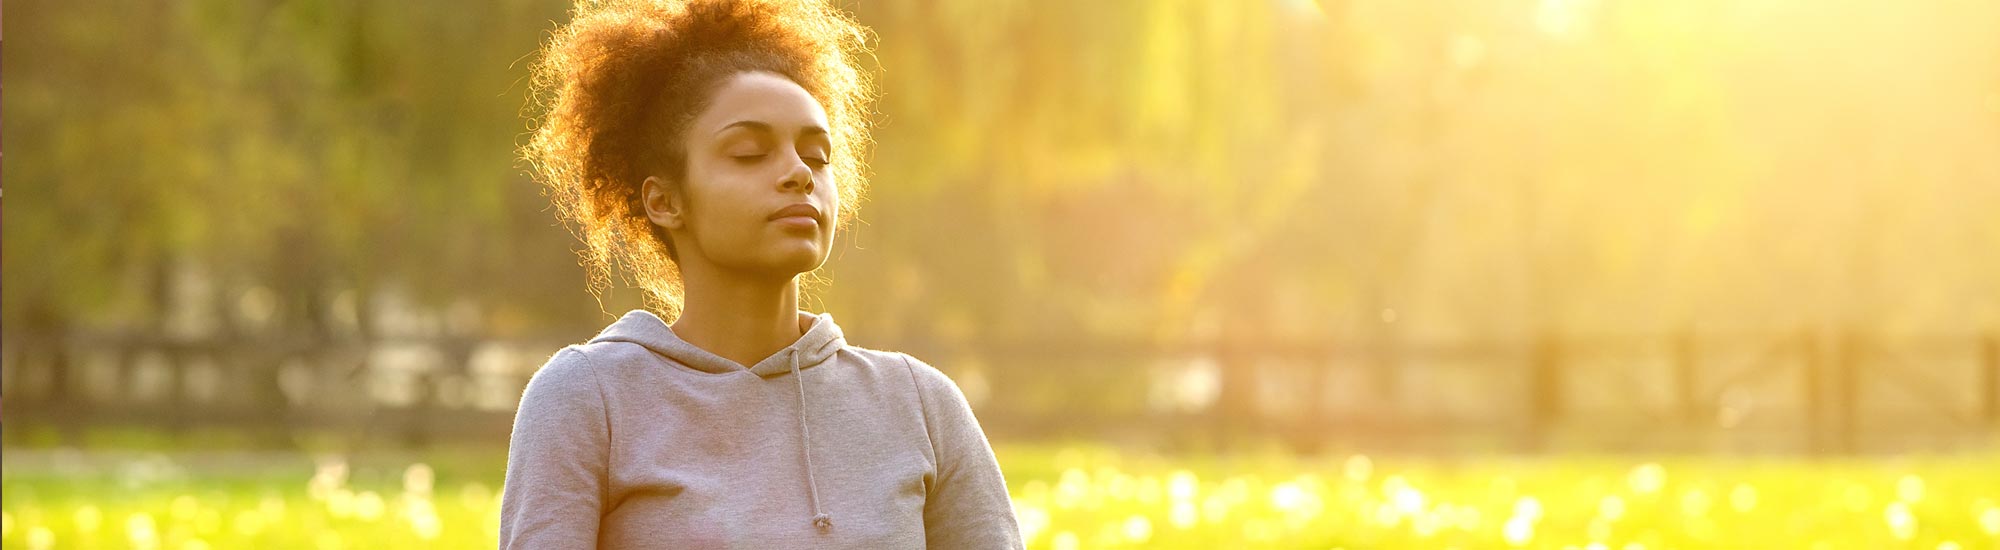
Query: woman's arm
point(967, 506)
point(556, 460)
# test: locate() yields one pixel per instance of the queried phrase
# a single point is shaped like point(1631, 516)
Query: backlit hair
point(614, 92)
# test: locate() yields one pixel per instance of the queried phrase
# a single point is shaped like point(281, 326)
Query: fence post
point(1310, 435)
point(1684, 378)
point(1848, 398)
point(179, 404)
point(1992, 385)
point(1809, 381)
point(1545, 381)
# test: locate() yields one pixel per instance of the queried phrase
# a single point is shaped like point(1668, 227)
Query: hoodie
point(638, 439)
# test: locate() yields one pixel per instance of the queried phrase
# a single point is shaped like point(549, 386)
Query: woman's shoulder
point(893, 360)
point(596, 355)
point(566, 378)
point(586, 363)
point(932, 383)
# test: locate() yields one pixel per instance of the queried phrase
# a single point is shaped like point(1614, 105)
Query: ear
point(664, 207)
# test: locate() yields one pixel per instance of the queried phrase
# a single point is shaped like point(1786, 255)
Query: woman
point(709, 150)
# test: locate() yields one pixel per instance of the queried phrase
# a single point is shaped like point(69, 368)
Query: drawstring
point(819, 519)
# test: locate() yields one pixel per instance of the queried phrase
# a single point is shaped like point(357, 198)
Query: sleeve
point(967, 505)
point(556, 459)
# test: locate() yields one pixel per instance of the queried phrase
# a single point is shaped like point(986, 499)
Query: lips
point(800, 210)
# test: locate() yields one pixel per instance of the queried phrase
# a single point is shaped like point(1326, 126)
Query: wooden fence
point(1822, 392)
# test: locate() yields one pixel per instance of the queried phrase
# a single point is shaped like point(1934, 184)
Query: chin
point(797, 261)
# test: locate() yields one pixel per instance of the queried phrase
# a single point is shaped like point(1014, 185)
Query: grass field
point(1072, 497)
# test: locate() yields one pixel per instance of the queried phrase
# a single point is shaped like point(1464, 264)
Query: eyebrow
point(764, 127)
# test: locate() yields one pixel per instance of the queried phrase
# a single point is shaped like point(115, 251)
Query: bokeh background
point(1258, 274)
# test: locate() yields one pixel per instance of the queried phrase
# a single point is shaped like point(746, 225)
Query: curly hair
point(614, 91)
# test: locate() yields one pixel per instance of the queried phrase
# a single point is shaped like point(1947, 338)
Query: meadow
point(1076, 496)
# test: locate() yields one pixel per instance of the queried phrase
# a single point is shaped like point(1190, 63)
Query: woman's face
point(758, 198)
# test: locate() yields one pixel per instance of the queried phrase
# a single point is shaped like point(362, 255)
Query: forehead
point(764, 97)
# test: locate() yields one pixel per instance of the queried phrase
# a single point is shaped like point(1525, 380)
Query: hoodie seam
point(604, 408)
point(924, 414)
point(676, 363)
point(672, 361)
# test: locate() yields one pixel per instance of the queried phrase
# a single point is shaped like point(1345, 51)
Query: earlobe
point(662, 205)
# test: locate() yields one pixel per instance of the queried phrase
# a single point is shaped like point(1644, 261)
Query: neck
point(742, 319)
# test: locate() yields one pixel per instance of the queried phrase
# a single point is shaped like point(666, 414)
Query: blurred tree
point(1124, 173)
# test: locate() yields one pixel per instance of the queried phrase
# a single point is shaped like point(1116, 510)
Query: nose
point(800, 178)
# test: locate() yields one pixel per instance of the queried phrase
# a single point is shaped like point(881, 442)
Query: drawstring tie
point(819, 519)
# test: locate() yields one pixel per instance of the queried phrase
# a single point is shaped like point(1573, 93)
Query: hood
point(822, 339)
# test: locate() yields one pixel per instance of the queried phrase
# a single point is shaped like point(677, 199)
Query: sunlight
point(1565, 19)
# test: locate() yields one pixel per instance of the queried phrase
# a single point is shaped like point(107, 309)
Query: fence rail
point(1822, 392)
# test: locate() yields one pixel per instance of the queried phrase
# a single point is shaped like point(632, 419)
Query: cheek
point(717, 212)
point(829, 195)
point(724, 216)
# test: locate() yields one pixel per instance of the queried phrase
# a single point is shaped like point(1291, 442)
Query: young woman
point(708, 150)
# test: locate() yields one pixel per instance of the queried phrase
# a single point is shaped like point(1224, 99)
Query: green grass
point(1100, 499)
point(1070, 497)
point(247, 500)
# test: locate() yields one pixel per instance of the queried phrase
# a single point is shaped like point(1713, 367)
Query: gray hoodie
point(638, 439)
